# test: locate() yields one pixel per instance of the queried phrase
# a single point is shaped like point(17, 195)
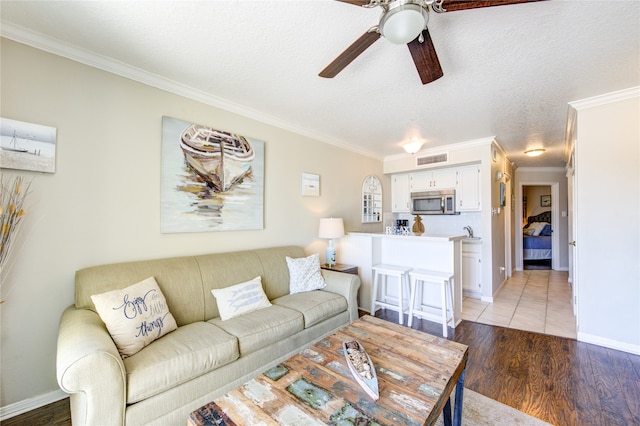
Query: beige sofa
point(204, 357)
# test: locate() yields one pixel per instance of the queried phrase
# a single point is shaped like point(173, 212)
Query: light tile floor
point(532, 300)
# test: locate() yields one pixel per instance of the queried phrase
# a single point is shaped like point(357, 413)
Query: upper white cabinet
point(432, 180)
point(464, 179)
point(468, 188)
point(400, 196)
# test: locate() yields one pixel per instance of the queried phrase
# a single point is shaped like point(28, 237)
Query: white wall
point(533, 194)
point(102, 204)
point(607, 214)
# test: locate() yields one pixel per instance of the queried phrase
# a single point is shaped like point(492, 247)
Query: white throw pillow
point(240, 298)
point(135, 316)
point(304, 274)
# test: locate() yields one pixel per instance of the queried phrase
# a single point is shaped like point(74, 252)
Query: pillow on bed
point(535, 228)
point(546, 231)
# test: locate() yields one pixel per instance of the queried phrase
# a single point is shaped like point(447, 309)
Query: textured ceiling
point(509, 71)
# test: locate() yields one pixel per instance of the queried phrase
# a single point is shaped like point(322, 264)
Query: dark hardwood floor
point(561, 381)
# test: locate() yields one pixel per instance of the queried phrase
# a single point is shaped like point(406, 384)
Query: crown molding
point(607, 98)
point(66, 50)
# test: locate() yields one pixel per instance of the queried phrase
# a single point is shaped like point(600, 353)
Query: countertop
point(423, 237)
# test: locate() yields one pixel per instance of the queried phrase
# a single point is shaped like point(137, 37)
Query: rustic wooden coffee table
point(416, 374)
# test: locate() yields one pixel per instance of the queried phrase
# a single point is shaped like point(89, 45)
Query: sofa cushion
point(258, 329)
point(190, 351)
point(304, 274)
point(240, 298)
point(315, 306)
point(135, 316)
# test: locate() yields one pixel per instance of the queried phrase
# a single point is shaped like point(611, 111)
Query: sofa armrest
point(346, 285)
point(90, 368)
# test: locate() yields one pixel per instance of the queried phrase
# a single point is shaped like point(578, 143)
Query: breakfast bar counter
point(435, 252)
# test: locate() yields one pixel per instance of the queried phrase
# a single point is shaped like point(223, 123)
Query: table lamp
point(331, 228)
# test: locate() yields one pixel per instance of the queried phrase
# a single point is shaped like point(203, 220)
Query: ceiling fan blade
point(351, 53)
point(425, 57)
point(452, 5)
point(356, 2)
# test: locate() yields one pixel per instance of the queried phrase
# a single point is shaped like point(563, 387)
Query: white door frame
point(572, 231)
point(508, 226)
point(555, 237)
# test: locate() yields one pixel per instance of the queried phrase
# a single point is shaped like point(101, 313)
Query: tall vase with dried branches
point(13, 192)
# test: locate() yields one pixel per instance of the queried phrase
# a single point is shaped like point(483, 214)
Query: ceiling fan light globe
point(403, 22)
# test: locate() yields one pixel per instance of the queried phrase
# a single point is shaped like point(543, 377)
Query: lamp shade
point(332, 227)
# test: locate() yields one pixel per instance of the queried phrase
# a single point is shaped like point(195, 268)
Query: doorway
point(537, 246)
point(543, 197)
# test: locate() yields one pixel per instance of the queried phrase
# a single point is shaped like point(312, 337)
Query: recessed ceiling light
point(534, 152)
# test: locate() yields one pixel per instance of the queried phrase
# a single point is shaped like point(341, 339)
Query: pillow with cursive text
point(135, 316)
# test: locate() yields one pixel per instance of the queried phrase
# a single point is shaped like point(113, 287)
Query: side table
point(341, 267)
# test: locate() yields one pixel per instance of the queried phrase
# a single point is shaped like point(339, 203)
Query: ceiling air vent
point(432, 159)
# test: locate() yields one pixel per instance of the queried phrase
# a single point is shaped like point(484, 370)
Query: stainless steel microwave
point(434, 202)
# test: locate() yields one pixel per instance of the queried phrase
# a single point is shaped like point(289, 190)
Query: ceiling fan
point(405, 22)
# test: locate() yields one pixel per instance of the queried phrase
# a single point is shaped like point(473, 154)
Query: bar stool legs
point(381, 272)
point(444, 280)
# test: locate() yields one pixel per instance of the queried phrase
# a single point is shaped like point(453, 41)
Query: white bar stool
point(445, 281)
point(382, 271)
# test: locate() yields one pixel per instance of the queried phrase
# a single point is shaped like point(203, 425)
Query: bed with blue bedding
point(536, 237)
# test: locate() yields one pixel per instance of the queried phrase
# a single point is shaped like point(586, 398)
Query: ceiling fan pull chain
point(421, 38)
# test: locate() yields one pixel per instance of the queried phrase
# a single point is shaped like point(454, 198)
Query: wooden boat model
point(361, 367)
point(221, 159)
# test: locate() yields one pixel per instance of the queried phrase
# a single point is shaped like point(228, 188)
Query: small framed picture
point(310, 185)
point(27, 146)
point(545, 201)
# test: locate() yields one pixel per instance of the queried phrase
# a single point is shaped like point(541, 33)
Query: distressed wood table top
point(416, 374)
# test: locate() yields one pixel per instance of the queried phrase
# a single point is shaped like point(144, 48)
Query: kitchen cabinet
point(472, 268)
point(400, 196)
point(468, 188)
point(432, 180)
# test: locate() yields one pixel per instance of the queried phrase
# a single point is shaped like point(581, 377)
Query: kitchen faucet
point(469, 230)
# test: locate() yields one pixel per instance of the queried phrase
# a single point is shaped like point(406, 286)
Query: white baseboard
point(26, 405)
point(609, 343)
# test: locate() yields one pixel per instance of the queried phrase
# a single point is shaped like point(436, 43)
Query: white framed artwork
point(310, 185)
point(27, 146)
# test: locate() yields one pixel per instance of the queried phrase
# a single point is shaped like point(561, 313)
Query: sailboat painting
point(27, 146)
point(212, 179)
